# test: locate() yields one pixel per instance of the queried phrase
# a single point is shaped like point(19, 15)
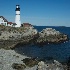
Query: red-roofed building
point(9, 24)
point(26, 25)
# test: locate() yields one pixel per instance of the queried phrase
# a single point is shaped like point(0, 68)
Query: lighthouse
point(17, 17)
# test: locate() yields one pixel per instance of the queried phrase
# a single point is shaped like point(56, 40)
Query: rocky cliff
point(11, 36)
point(50, 35)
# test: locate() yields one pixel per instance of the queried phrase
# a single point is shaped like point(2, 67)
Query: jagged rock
point(30, 62)
point(41, 65)
point(50, 66)
point(50, 35)
point(10, 36)
point(11, 33)
point(18, 66)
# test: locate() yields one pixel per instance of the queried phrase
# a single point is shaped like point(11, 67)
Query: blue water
point(60, 52)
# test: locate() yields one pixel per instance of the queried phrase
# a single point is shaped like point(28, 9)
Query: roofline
point(5, 20)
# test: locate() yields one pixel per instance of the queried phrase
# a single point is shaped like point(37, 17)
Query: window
point(5, 24)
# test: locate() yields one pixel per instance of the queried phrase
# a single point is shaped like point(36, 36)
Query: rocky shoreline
point(10, 37)
point(10, 60)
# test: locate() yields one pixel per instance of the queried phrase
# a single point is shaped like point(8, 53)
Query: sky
point(38, 12)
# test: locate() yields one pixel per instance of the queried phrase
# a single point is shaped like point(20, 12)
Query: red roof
point(26, 25)
point(10, 23)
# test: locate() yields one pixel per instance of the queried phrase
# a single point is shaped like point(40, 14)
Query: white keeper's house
point(4, 21)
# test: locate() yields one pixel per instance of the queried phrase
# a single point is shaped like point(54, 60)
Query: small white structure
point(3, 21)
point(17, 17)
point(11, 24)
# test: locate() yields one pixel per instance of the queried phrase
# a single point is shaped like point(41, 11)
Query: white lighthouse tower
point(17, 17)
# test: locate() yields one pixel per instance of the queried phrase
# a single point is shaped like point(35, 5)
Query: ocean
point(59, 52)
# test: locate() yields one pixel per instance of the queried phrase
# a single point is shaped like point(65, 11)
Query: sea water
point(60, 52)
